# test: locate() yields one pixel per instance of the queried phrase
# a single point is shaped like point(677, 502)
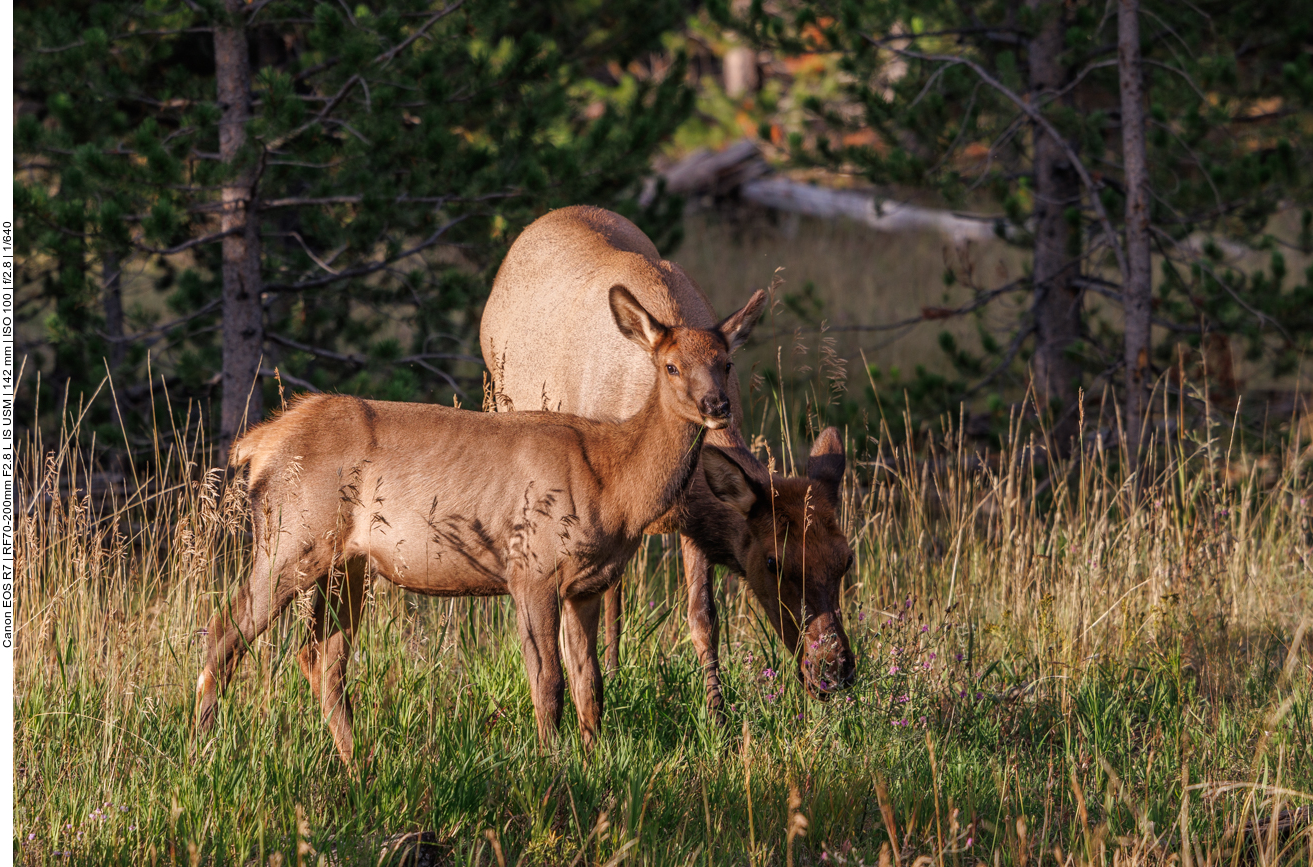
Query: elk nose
point(716, 406)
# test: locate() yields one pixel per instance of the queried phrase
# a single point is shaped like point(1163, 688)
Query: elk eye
point(771, 564)
point(672, 370)
point(728, 365)
point(849, 567)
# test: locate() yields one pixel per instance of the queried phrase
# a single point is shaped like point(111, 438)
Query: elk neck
point(655, 451)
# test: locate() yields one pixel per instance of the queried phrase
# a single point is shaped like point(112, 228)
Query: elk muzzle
point(715, 411)
point(827, 665)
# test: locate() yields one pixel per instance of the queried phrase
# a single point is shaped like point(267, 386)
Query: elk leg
point(579, 630)
point(324, 657)
point(539, 619)
point(614, 600)
point(703, 624)
point(241, 619)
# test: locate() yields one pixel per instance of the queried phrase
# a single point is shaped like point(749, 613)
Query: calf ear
point(727, 480)
point(826, 463)
point(737, 326)
point(634, 321)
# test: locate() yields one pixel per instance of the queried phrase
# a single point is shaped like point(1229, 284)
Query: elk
point(544, 506)
point(542, 335)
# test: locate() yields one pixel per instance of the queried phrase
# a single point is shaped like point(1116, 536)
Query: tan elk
point(544, 336)
point(544, 506)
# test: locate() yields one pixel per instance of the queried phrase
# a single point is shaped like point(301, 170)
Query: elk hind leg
point(323, 659)
point(241, 619)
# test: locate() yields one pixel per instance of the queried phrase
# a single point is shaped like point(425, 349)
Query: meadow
point(1057, 664)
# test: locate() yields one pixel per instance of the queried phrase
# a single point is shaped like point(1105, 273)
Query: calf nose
point(716, 406)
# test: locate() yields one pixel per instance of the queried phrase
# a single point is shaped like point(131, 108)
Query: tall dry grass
point(1061, 661)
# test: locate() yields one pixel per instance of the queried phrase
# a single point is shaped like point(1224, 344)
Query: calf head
point(693, 364)
point(794, 556)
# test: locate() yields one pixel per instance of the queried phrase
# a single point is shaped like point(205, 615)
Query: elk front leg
point(538, 618)
point(703, 624)
point(579, 631)
point(614, 601)
point(324, 657)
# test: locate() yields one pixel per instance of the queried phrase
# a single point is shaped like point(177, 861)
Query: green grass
point(1051, 670)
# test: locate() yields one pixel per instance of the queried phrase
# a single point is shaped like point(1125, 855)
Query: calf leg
point(240, 620)
point(703, 624)
point(539, 620)
point(324, 657)
point(614, 596)
point(579, 631)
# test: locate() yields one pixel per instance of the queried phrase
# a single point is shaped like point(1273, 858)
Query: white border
point(8, 619)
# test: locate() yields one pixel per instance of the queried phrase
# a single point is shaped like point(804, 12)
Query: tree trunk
point(1057, 242)
point(1137, 293)
point(243, 321)
point(111, 268)
point(112, 280)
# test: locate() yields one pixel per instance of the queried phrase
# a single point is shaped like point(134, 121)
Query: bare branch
point(353, 360)
point(1040, 120)
point(1112, 291)
point(364, 270)
point(317, 119)
point(276, 373)
point(121, 36)
point(357, 361)
point(386, 57)
point(1226, 285)
point(187, 245)
point(1008, 357)
point(929, 314)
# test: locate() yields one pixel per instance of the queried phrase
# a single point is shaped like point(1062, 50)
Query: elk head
point(794, 556)
point(693, 365)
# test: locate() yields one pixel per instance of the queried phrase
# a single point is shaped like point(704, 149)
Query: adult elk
point(543, 335)
point(544, 506)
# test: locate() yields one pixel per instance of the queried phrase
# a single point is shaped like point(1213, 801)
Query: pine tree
point(321, 189)
point(1022, 100)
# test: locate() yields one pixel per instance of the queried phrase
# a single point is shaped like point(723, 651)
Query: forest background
point(1077, 487)
point(205, 200)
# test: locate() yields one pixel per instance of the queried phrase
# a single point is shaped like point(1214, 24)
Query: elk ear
point(633, 321)
point(737, 326)
point(826, 463)
point(727, 480)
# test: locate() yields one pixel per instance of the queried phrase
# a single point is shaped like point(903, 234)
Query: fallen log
point(740, 172)
point(862, 206)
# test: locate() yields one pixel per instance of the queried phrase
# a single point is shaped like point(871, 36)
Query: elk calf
point(544, 506)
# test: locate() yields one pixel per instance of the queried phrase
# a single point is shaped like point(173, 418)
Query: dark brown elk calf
point(544, 336)
point(544, 506)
